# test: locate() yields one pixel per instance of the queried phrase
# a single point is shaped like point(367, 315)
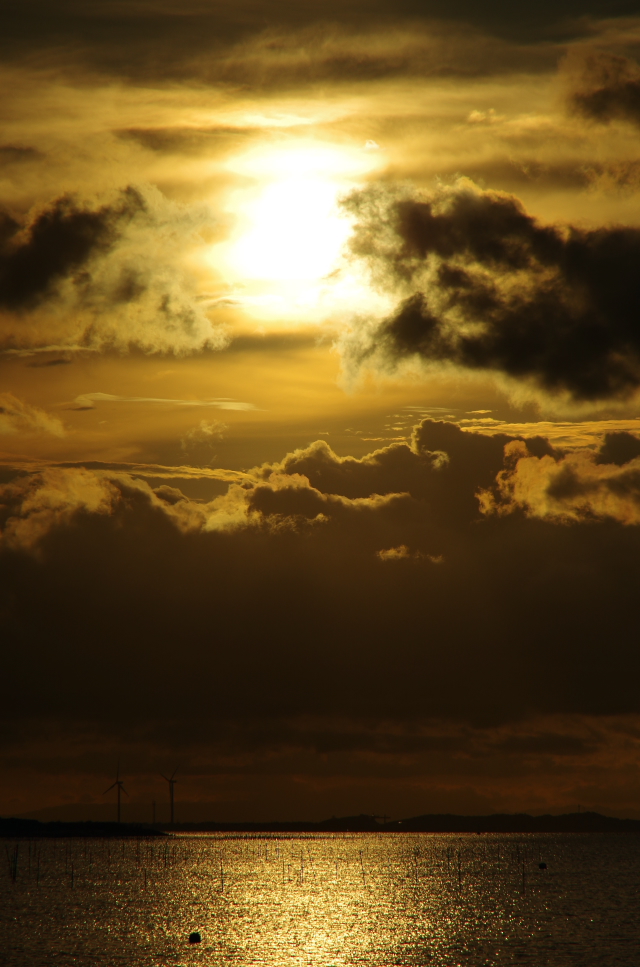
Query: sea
point(322, 900)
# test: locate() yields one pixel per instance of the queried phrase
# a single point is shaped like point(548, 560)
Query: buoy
point(194, 937)
point(542, 866)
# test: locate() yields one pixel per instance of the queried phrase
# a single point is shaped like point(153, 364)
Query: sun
point(290, 230)
point(294, 231)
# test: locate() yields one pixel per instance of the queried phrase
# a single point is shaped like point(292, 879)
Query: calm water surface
point(323, 901)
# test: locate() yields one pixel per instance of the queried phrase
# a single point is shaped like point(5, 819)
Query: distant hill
point(516, 823)
point(439, 823)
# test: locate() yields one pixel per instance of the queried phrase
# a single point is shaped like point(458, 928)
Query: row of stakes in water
point(168, 856)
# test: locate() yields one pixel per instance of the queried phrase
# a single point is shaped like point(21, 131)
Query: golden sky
point(319, 412)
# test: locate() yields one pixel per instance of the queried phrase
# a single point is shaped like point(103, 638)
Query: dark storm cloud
point(618, 448)
point(167, 40)
point(264, 633)
point(603, 86)
point(342, 54)
point(486, 286)
point(57, 243)
point(281, 580)
point(80, 275)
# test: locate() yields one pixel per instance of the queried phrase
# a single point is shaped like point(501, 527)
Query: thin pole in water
point(12, 860)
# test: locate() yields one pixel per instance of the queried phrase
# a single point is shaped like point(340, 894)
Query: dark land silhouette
point(15, 828)
point(582, 822)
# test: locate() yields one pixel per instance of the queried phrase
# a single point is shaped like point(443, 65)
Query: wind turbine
point(172, 783)
point(119, 786)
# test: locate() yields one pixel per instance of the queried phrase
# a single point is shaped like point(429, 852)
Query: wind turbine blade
point(164, 777)
point(124, 790)
point(110, 788)
point(174, 771)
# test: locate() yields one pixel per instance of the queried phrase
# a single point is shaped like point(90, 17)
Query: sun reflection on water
point(328, 900)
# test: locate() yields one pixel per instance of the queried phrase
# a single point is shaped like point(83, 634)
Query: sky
point(319, 407)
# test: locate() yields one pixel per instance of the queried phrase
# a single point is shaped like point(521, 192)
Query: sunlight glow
point(290, 231)
point(295, 231)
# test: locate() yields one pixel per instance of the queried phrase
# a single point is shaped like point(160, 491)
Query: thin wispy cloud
point(87, 401)
point(16, 416)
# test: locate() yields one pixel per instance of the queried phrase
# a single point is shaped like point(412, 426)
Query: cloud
point(485, 286)
point(602, 86)
point(404, 553)
point(578, 486)
point(618, 447)
point(186, 139)
point(86, 401)
point(37, 504)
point(56, 244)
point(205, 433)
point(373, 621)
point(109, 276)
point(19, 417)
point(152, 471)
point(44, 350)
point(250, 42)
point(18, 154)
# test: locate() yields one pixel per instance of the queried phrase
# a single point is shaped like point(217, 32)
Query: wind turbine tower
point(172, 783)
point(120, 787)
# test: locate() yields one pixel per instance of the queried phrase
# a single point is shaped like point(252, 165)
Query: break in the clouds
point(107, 276)
point(484, 285)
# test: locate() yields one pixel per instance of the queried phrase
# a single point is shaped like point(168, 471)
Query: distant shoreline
point(583, 822)
point(16, 828)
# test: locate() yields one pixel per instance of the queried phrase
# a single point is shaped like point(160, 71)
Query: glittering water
point(325, 900)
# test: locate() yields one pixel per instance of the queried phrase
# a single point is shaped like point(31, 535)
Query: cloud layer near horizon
point(362, 590)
